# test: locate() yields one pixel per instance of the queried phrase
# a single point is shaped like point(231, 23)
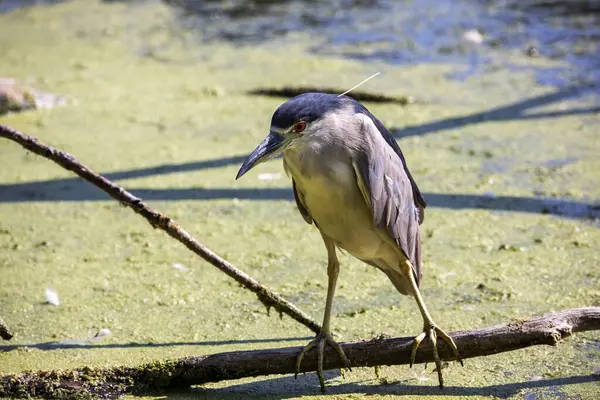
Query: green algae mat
point(509, 168)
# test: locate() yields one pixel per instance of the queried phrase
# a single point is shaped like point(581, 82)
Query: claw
point(301, 356)
point(436, 356)
point(432, 332)
point(319, 343)
point(416, 343)
point(444, 336)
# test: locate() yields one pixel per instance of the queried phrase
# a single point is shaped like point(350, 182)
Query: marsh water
point(502, 138)
point(408, 32)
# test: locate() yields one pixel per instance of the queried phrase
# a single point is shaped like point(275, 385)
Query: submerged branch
point(289, 91)
point(160, 221)
point(5, 333)
point(549, 329)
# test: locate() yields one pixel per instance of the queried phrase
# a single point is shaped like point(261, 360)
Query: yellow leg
point(430, 330)
point(333, 269)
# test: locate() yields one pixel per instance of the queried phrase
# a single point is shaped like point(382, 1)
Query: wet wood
point(549, 329)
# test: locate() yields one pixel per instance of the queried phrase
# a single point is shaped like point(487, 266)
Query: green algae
point(140, 99)
point(90, 383)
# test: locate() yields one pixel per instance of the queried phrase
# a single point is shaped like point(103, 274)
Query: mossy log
point(549, 329)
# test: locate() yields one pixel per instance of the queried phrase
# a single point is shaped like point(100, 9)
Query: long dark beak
point(267, 149)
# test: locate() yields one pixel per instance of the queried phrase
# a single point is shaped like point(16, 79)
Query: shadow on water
point(74, 189)
point(521, 110)
point(288, 387)
point(173, 168)
point(88, 344)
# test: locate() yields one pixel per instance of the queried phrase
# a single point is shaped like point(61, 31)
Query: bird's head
point(299, 118)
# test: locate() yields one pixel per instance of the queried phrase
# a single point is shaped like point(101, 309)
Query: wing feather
point(300, 204)
point(389, 139)
point(389, 191)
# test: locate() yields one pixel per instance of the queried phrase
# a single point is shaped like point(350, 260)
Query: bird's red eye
point(300, 126)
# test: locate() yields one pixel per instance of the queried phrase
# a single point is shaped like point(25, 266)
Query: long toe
point(432, 332)
point(319, 342)
point(436, 356)
point(300, 357)
point(340, 352)
point(446, 338)
point(416, 343)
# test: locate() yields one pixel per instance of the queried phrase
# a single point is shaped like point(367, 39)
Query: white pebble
point(180, 267)
point(421, 377)
point(103, 333)
point(268, 177)
point(447, 274)
point(52, 297)
point(473, 36)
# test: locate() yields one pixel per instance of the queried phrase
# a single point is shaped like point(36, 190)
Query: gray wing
point(388, 190)
point(387, 136)
point(300, 204)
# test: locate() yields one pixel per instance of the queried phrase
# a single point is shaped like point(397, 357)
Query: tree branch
point(5, 333)
point(160, 221)
point(109, 383)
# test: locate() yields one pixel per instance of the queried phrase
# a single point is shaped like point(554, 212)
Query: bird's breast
point(334, 201)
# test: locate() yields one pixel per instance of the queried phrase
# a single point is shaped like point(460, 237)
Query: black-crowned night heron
point(350, 178)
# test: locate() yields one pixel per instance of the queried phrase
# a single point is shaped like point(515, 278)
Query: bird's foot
point(432, 332)
point(319, 343)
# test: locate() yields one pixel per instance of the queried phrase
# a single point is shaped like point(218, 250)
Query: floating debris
point(101, 334)
point(52, 297)
point(421, 377)
point(473, 36)
point(447, 274)
point(5, 333)
point(268, 177)
point(180, 267)
point(15, 97)
point(532, 51)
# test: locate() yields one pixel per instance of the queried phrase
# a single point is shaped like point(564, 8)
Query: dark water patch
point(479, 37)
point(10, 5)
point(74, 189)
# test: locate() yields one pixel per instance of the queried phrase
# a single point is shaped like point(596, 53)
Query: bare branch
point(5, 333)
point(160, 221)
point(112, 382)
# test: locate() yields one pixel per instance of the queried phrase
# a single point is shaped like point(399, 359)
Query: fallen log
point(549, 329)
